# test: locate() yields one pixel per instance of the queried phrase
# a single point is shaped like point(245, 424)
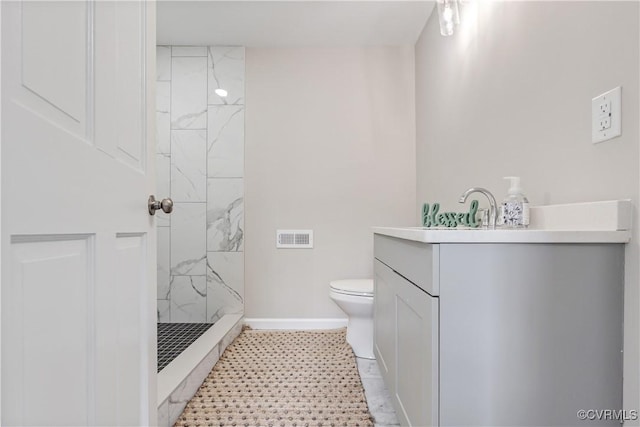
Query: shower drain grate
point(174, 338)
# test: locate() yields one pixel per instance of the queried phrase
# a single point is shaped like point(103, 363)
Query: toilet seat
point(355, 287)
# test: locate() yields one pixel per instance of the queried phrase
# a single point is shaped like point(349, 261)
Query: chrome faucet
point(493, 207)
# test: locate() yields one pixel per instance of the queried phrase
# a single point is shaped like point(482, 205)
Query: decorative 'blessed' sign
point(432, 218)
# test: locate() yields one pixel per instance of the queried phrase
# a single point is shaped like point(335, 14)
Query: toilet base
point(360, 337)
point(356, 300)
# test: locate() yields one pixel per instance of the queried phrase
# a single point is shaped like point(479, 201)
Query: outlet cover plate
point(606, 116)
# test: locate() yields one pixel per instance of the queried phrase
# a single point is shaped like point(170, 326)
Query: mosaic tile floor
point(174, 338)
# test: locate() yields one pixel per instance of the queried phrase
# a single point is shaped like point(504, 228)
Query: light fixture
point(448, 15)
point(221, 93)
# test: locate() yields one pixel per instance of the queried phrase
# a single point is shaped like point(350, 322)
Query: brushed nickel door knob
point(166, 205)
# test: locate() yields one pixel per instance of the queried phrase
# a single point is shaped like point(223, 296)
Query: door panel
point(131, 94)
point(49, 343)
point(130, 258)
point(78, 287)
point(120, 94)
point(54, 62)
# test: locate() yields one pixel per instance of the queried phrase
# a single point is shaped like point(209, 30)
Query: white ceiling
point(291, 23)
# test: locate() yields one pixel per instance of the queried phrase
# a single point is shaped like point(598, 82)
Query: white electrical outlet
point(606, 116)
point(605, 123)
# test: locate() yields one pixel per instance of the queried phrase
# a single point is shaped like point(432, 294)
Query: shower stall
point(200, 165)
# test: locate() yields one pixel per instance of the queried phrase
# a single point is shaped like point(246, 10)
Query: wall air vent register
point(294, 239)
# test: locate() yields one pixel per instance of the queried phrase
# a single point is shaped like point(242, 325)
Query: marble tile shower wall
point(200, 164)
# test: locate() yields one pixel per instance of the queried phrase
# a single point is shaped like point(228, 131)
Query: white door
point(78, 245)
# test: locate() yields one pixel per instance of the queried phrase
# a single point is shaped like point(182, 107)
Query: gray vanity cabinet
point(406, 343)
point(384, 321)
point(499, 333)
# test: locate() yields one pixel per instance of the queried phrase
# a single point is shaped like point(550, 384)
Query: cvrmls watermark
point(608, 414)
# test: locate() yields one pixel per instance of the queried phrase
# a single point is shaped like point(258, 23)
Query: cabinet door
point(384, 341)
point(416, 386)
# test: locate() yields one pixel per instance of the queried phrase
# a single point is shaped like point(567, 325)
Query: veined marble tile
point(377, 394)
point(185, 391)
point(164, 311)
point(189, 50)
point(163, 63)
point(225, 284)
point(226, 71)
point(188, 93)
point(175, 410)
point(230, 336)
point(189, 165)
point(163, 117)
point(163, 414)
point(189, 239)
point(225, 145)
point(163, 173)
point(379, 402)
point(225, 214)
point(368, 368)
point(163, 96)
point(163, 133)
point(164, 267)
point(190, 385)
point(188, 299)
point(163, 188)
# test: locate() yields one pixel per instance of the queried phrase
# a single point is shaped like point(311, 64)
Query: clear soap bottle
point(514, 211)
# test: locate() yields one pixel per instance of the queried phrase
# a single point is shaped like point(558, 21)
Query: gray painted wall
point(510, 94)
point(330, 145)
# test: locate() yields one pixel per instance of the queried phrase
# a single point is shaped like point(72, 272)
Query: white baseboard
point(295, 324)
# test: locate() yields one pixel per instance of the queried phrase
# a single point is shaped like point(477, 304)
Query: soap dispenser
point(514, 211)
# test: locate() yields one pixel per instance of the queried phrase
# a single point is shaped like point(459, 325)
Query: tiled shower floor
point(174, 338)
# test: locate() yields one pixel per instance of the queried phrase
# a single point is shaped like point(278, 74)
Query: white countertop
point(460, 235)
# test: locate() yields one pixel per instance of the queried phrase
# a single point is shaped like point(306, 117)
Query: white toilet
point(355, 298)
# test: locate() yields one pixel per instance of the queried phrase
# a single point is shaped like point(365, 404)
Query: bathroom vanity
point(499, 327)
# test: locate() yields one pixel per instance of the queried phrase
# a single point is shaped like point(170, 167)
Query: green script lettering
point(432, 217)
